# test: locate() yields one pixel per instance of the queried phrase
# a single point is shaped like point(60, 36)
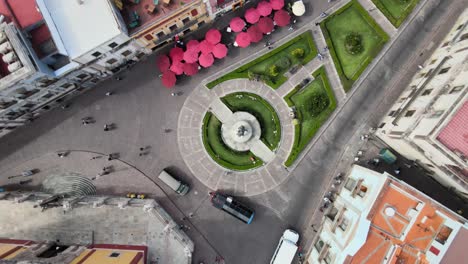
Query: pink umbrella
point(177, 54)
point(163, 63)
point(282, 18)
point(251, 15)
point(206, 60)
point(213, 36)
point(220, 51)
point(168, 79)
point(255, 34)
point(237, 24)
point(193, 45)
point(206, 47)
point(265, 25)
point(190, 56)
point(190, 69)
point(264, 8)
point(177, 67)
point(277, 4)
point(243, 39)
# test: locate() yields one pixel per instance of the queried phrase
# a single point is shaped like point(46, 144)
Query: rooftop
point(146, 17)
point(79, 26)
point(22, 12)
point(455, 134)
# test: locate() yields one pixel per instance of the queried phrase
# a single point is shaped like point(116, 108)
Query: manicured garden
point(271, 67)
point(262, 110)
point(354, 40)
point(221, 153)
point(313, 104)
point(396, 10)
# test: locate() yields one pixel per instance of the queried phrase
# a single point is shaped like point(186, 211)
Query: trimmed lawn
point(308, 125)
point(352, 18)
point(221, 153)
point(396, 10)
point(260, 66)
point(262, 110)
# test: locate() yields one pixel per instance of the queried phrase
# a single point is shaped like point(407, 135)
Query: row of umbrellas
point(188, 61)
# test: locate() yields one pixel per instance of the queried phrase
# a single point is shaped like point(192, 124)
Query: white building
point(429, 122)
point(377, 218)
point(57, 48)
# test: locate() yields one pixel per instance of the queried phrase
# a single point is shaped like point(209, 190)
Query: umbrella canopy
point(237, 24)
point(213, 36)
point(206, 60)
point(206, 47)
point(177, 54)
point(265, 25)
point(190, 56)
point(163, 63)
point(282, 18)
point(177, 67)
point(264, 8)
point(193, 45)
point(190, 69)
point(220, 51)
point(255, 34)
point(243, 39)
point(277, 4)
point(251, 15)
point(298, 8)
point(168, 79)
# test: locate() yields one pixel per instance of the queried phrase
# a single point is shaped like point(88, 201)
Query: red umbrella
point(177, 54)
point(177, 67)
point(251, 15)
point(206, 60)
point(163, 63)
point(193, 45)
point(168, 79)
point(282, 18)
point(264, 8)
point(255, 34)
point(190, 56)
point(265, 25)
point(243, 39)
point(220, 51)
point(237, 24)
point(213, 36)
point(206, 47)
point(277, 4)
point(190, 69)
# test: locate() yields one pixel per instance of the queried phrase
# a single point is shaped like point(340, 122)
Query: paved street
point(142, 110)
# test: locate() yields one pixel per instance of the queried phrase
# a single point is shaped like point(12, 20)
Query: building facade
point(428, 123)
point(51, 50)
point(377, 218)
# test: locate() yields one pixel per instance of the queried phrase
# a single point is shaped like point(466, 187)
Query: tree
point(283, 63)
point(317, 103)
point(273, 70)
point(298, 53)
point(353, 43)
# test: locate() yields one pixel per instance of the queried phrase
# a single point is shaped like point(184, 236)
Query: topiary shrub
point(273, 70)
point(283, 63)
point(353, 43)
point(316, 103)
point(298, 53)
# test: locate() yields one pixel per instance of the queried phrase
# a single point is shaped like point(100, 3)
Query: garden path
point(379, 17)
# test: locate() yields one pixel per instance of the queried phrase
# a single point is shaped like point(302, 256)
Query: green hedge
point(395, 11)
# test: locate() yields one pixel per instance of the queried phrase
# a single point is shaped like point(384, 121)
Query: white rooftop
point(78, 26)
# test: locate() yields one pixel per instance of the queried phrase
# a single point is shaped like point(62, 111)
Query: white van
point(176, 185)
point(287, 248)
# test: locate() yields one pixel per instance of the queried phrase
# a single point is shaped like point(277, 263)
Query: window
point(185, 32)
point(445, 44)
point(319, 245)
point(410, 113)
point(111, 61)
point(185, 20)
point(344, 224)
point(148, 37)
point(332, 213)
point(362, 191)
point(328, 258)
point(160, 34)
point(82, 76)
point(433, 61)
point(201, 23)
point(464, 36)
point(444, 70)
point(114, 255)
point(47, 95)
point(96, 54)
point(402, 99)
point(173, 27)
point(460, 27)
point(391, 113)
point(426, 92)
point(66, 85)
point(350, 184)
point(437, 113)
point(381, 125)
point(429, 165)
point(127, 53)
point(113, 45)
point(443, 234)
point(456, 89)
point(194, 12)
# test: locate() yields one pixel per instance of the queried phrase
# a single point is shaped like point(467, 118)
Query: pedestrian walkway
point(380, 18)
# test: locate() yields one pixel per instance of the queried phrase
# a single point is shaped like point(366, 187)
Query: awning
point(298, 8)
